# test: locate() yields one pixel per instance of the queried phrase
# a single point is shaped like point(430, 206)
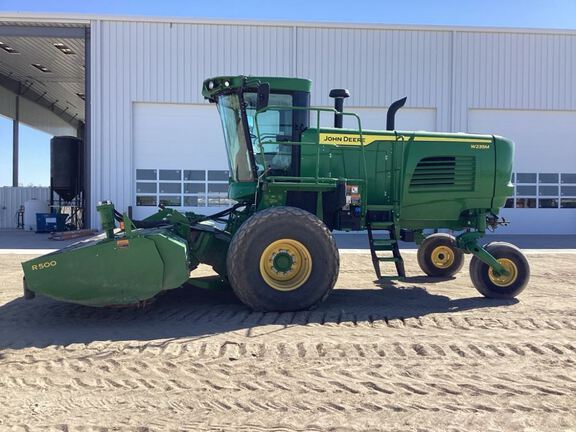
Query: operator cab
point(275, 126)
point(261, 141)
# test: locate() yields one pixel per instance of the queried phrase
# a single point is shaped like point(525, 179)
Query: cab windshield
point(235, 137)
point(275, 125)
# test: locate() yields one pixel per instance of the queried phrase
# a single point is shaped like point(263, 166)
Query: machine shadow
point(192, 313)
point(415, 279)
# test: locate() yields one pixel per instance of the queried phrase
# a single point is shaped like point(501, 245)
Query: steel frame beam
point(42, 32)
point(87, 130)
point(15, 142)
point(17, 87)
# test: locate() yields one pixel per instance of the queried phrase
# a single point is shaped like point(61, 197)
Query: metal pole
point(15, 141)
point(86, 202)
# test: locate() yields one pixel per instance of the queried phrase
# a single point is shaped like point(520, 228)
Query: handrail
point(318, 111)
point(319, 180)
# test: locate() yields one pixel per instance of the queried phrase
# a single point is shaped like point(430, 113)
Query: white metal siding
point(513, 71)
point(407, 119)
point(161, 62)
point(447, 71)
point(377, 66)
point(11, 198)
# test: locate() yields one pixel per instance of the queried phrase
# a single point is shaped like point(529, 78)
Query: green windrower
point(292, 182)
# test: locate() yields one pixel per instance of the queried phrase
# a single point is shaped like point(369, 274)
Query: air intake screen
point(444, 174)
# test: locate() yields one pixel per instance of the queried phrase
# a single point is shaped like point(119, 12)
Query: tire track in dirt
point(232, 349)
point(300, 375)
point(180, 405)
point(312, 422)
point(403, 358)
point(22, 333)
point(236, 315)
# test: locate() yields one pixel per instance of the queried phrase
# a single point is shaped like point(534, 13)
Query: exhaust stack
point(339, 95)
point(392, 112)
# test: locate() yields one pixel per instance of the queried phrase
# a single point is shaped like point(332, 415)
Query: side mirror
point(263, 95)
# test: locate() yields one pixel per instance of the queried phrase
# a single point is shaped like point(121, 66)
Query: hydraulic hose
point(226, 212)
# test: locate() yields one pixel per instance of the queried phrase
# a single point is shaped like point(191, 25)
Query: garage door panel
point(538, 221)
point(168, 134)
point(545, 140)
point(179, 157)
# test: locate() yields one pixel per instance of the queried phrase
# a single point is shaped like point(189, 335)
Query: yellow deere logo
point(353, 139)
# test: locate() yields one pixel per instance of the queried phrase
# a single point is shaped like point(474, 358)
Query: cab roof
point(214, 86)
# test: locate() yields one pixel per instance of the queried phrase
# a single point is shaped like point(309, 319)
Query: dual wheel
point(438, 256)
point(282, 259)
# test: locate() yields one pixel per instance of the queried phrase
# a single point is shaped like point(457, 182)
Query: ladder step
point(381, 225)
point(383, 248)
point(382, 207)
point(389, 259)
point(384, 242)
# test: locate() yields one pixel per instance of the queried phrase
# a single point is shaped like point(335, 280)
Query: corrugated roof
point(65, 80)
point(37, 23)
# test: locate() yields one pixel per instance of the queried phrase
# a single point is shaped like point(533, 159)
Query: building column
point(15, 143)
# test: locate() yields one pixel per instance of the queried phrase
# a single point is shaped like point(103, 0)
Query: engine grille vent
point(444, 174)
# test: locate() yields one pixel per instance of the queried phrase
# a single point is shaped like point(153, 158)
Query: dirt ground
point(416, 355)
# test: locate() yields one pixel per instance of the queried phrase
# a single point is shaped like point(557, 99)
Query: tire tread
point(478, 270)
point(267, 217)
point(427, 246)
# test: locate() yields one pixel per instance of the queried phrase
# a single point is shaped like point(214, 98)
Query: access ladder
point(389, 244)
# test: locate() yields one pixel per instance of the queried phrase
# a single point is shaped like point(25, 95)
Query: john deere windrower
point(294, 181)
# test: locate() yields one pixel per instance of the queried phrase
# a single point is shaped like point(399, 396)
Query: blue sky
point(35, 146)
point(509, 13)
point(34, 155)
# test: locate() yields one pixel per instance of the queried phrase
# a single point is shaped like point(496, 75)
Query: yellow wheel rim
point(442, 257)
point(285, 265)
point(504, 280)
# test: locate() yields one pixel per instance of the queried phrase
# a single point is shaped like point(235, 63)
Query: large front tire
point(505, 286)
point(438, 256)
point(282, 259)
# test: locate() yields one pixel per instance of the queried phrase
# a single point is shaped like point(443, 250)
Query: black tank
point(65, 162)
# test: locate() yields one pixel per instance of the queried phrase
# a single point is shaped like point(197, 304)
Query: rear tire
point(282, 259)
point(438, 255)
point(492, 286)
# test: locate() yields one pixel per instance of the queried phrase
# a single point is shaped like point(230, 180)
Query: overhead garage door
point(545, 167)
point(179, 158)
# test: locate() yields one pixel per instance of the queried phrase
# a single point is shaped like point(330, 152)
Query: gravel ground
point(416, 355)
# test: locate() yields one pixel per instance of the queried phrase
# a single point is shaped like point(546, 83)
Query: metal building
point(151, 137)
